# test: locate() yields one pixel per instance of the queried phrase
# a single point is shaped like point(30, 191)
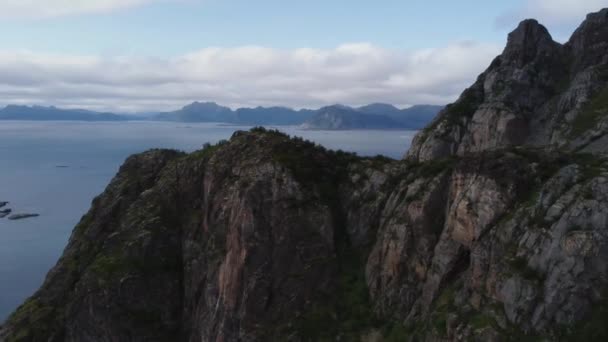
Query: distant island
point(41, 113)
point(336, 117)
point(374, 116)
point(6, 212)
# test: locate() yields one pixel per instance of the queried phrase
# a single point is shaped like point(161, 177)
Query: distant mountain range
point(40, 113)
point(374, 116)
point(340, 117)
point(336, 117)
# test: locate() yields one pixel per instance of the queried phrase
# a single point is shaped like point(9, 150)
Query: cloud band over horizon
point(242, 75)
point(351, 74)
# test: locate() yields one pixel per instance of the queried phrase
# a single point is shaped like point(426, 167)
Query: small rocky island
point(22, 216)
point(4, 212)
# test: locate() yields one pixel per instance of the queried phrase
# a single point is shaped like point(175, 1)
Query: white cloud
point(561, 15)
point(53, 8)
point(244, 76)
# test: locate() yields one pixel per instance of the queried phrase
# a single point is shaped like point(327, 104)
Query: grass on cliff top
point(207, 150)
point(309, 162)
point(312, 164)
point(591, 114)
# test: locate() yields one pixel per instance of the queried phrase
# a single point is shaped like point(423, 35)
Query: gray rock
point(526, 98)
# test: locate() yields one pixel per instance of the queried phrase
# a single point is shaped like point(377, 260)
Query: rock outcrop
point(536, 93)
point(495, 228)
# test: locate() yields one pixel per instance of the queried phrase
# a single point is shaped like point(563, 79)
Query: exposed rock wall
point(537, 92)
point(241, 242)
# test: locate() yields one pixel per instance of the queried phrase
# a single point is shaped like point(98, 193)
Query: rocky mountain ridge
point(381, 116)
point(537, 93)
point(335, 117)
point(41, 113)
point(374, 116)
point(344, 118)
point(494, 228)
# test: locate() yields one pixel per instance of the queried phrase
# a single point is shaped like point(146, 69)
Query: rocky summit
point(536, 93)
point(494, 228)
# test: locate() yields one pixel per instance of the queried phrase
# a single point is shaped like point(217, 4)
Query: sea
point(55, 169)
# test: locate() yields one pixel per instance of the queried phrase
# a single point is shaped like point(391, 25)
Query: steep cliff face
point(270, 238)
point(487, 232)
point(244, 241)
point(537, 92)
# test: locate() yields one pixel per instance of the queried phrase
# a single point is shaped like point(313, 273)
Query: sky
point(158, 55)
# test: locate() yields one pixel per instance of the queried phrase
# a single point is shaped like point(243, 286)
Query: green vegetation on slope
point(346, 312)
point(452, 115)
point(595, 328)
point(591, 114)
point(33, 317)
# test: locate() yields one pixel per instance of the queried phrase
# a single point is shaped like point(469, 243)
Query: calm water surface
point(55, 169)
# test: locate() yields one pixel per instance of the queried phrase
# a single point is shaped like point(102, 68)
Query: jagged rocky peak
point(529, 41)
point(590, 41)
point(537, 92)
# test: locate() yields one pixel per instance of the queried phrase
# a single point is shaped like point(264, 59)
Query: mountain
point(375, 116)
point(39, 113)
point(415, 117)
point(493, 228)
point(199, 112)
point(381, 109)
point(419, 116)
point(537, 92)
point(344, 118)
point(212, 112)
